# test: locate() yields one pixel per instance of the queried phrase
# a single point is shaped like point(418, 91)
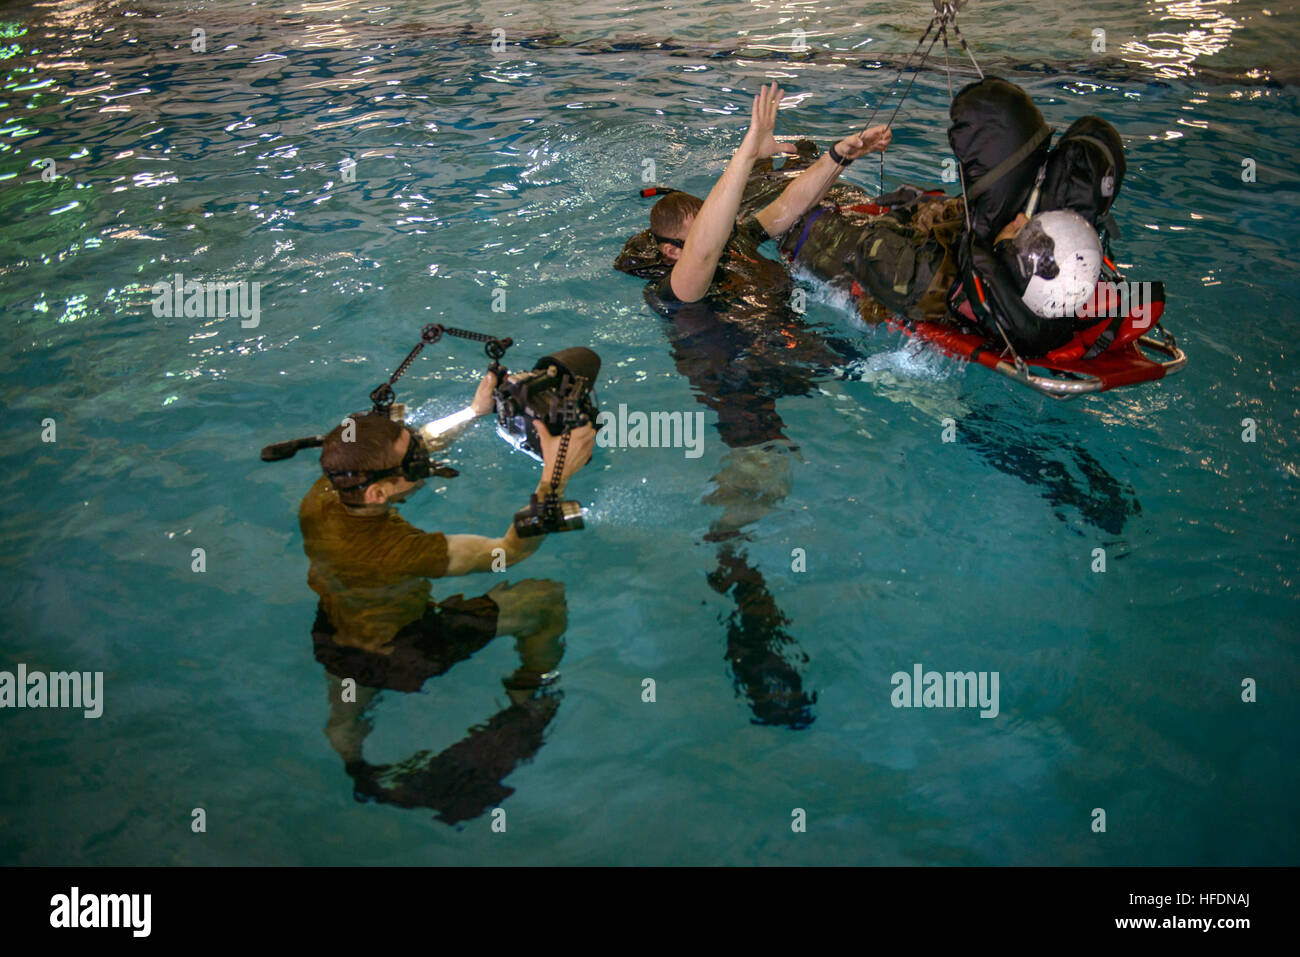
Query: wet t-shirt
point(743, 272)
point(371, 571)
point(742, 346)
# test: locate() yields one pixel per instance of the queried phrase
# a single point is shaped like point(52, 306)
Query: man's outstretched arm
point(811, 185)
point(693, 273)
point(440, 433)
point(467, 554)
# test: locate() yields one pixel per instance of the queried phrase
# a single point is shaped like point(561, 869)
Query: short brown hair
point(668, 216)
point(370, 450)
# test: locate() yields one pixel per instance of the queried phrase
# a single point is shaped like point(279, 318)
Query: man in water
point(377, 625)
point(734, 333)
point(693, 235)
point(736, 338)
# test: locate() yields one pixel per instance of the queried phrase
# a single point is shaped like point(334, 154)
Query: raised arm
point(708, 235)
point(811, 185)
point(440, 433)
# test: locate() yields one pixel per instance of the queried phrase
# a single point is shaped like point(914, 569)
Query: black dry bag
point(1084, 172)
point(1001, 141)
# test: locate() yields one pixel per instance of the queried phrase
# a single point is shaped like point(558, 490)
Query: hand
point(581, 441)
point(759, 139)
point(1010, 229)
point(873, 140)
point(483, 402)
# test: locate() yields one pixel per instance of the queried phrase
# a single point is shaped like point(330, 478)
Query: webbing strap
point(985, 182)
point(1100, 144)
point(807, 228)
point(1107, 221)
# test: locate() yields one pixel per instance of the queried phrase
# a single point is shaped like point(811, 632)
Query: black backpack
point(1085, 171)
point(1001, 141)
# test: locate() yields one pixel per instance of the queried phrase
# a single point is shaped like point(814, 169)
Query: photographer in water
point(377, 624)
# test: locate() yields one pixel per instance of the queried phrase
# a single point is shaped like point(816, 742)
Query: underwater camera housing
point(558, 392)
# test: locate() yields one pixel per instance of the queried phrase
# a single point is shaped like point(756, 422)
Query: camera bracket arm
point(383, 396)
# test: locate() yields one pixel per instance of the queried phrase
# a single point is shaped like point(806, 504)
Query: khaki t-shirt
point(371, 571)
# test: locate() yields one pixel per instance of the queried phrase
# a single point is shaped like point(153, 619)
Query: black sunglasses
point(671, 242)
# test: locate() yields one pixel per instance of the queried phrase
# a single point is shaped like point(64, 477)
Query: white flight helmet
point(1061, 254)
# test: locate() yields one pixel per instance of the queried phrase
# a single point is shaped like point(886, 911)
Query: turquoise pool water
point(479, 171)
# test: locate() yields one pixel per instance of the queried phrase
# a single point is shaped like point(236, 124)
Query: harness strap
point(1103, 341)
point(1100, 144)
point(807, 228)
point(986, 181)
